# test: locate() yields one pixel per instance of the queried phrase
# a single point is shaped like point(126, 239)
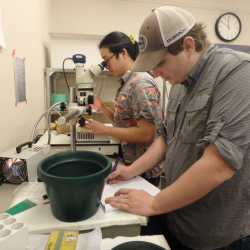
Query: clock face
point(228, 27)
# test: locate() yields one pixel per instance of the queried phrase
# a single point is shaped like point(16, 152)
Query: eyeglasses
point(107, 61)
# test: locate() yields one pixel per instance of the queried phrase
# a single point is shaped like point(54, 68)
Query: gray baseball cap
point(164, 26)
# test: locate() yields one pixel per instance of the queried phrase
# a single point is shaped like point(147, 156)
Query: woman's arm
point(144, 131)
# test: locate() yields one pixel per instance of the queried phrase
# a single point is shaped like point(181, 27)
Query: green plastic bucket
point(74, 183)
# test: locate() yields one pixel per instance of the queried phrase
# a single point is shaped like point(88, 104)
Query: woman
point(137, 112)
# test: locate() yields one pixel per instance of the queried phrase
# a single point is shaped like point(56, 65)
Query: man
point(205, 142)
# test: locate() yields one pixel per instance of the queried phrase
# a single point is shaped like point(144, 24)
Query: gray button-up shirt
point(211, 106)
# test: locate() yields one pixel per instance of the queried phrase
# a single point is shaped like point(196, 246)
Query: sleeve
point(228, 124)
point(146, 101)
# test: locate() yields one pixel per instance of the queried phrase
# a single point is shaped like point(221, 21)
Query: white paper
point(38, 241)
point(92, 241)
point(2, 41)
point(136, 183)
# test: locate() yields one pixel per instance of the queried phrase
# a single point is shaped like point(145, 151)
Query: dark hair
point(199, 36)
point(116, 41)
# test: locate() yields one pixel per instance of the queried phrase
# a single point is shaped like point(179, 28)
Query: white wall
point(98, 17)
point(79, 25)
point(26, 26)
point(65, 46)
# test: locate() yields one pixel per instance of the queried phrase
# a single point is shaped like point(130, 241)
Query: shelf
point(51, 71)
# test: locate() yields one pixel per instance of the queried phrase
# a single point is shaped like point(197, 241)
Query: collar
point(125, 77)
point(199, 66)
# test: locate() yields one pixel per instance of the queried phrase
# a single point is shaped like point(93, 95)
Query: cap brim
point(147, 61)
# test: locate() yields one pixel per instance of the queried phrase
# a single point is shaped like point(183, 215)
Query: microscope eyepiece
point(103, 64)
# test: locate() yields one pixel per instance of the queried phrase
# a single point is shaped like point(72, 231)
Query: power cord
point(64, 72)
point(103, 78)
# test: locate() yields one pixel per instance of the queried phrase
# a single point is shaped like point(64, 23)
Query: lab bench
point(117, 227)
point(40, 219)
point(112, 224)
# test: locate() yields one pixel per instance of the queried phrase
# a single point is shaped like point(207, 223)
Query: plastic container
point(74, 183)
point(13, 233)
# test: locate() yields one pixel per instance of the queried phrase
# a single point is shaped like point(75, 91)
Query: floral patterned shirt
point(138, 97)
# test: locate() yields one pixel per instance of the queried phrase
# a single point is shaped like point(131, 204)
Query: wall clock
point(228, 27)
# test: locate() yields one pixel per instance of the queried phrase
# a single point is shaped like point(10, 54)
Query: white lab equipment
point(20, 166)
point(13, 233)
point(85, 97)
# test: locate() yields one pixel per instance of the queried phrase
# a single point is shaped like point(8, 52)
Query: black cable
point(101, 85)
point(64, 71)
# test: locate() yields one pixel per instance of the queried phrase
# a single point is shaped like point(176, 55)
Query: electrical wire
point(101, 85)
point(64, 72)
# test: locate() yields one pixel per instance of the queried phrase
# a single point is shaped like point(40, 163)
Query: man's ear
point(188, 44)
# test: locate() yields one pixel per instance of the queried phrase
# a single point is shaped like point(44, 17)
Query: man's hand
point(121, 173)
point(134, 201)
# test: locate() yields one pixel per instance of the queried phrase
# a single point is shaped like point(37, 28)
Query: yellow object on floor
point(62, 240)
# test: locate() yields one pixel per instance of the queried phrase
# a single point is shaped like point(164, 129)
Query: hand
point(97, 103)
point(134, 201)
point(95, 127)
point(121, 173)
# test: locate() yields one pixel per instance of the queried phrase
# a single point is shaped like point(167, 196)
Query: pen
point(114, 168)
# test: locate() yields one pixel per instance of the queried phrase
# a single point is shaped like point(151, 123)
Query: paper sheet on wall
point(2, 41)
point(135, 183)
point(19, 73)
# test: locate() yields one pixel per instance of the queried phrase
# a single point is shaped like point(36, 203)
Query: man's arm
point(152, 157)
point(107, 112)
point(207, 173)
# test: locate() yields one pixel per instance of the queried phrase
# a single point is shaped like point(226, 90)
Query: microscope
point(80, 101)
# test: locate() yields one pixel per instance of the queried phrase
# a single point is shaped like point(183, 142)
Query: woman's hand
point(95, 127)
point(97, 103)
